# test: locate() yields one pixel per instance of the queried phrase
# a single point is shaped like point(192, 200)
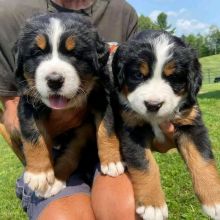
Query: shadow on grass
point(210, 95)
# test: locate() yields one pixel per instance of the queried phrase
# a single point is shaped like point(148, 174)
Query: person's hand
point(9, 117)
point(168, 130)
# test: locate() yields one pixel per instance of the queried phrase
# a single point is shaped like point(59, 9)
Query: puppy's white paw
point(113, 169)
point(39, 181)
point(212, 210)
point(53, 189)
point(153, 213)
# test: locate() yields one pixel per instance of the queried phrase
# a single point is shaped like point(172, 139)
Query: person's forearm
point(9, 117)
point(9, 125)
point(9, 101)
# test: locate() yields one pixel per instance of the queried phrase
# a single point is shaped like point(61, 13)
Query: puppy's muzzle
point(153, 106)
point(55, 81)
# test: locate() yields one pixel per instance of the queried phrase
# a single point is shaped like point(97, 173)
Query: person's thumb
point(168, 129)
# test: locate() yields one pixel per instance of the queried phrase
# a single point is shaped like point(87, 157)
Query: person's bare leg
point(77, 207)
point(113, 198)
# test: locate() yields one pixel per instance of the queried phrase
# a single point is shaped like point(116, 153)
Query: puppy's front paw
point(153, 213)
point(39, 182)
point(113, 169)
point(53, 189)
point(212, 210)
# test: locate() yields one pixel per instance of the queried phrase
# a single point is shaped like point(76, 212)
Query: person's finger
point(168, 129)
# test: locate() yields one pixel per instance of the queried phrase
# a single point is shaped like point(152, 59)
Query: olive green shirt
point(115, 20)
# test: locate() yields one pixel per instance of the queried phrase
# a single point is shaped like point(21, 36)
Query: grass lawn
point(10, 169)
point(176, 181)
point(210, 67)
point(210, 62)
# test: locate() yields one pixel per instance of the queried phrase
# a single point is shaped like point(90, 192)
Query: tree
point(145, 23)
point(213, 39)
point(206, 45)
point(162, 23)
point(198, 42)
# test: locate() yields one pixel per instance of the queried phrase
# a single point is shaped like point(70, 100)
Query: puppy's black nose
point(153, 106)
point(55, 81)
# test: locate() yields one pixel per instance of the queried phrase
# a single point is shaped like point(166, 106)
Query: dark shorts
point(34, 205)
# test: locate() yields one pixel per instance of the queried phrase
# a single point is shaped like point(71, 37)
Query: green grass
point(10, 170)
point(210, 61)
point(209, 100)
point(210, 67)
point(176, 181)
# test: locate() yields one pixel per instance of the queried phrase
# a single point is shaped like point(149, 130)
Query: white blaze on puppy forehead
point(55, 31)
point(162, 49)
point(156, 89)
point(54, 63)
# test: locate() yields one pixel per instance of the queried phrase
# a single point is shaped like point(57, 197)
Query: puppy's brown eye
point(41, 41)
point(169, 68)
point(144, 69)
point(70, 43)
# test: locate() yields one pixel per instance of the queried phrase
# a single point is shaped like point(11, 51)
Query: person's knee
point(112, 198)
point(68, 208)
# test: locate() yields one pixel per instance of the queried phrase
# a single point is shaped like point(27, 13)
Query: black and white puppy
point(157, 78)
point(59, 63)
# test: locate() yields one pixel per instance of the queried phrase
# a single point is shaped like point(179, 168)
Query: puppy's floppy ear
point(118, 69)
point(19, 70)
point(194, 78)
point(102, 54)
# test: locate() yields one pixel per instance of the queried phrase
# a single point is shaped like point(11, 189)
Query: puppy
point(157, 78)
point(59, 61)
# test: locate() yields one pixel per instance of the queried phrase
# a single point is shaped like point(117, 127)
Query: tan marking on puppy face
point(204, 173)
point(108, 144)
point(38, 155)
point(144, 69)
point(87, 84)
point(67, 163)
point(169, 68)
point(41, 41)
point(30, 81)
point(31, 84)
point(125, 91)
point(187, 117)
point(146, 184)
point(182, 92)
point(70, 43)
